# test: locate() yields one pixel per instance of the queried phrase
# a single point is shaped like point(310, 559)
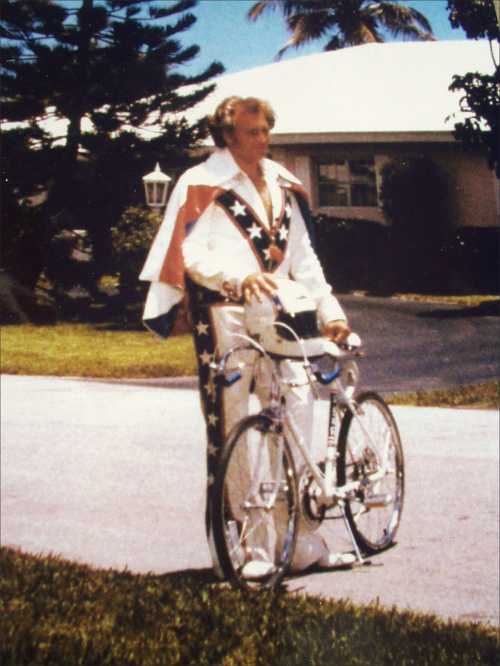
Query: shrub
point(414, 200)
point(132, 237)
point(354, 253)
point(472, 254)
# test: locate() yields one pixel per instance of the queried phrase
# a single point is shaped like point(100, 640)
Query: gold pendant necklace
point(275, 253)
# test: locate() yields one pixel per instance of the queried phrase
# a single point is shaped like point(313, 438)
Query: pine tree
point(114, 66)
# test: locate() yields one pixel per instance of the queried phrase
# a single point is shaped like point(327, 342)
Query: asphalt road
point(412, 345)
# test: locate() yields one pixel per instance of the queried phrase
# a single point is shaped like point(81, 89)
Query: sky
point(225, 34)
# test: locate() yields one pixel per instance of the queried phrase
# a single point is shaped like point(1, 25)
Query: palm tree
point(346, 22)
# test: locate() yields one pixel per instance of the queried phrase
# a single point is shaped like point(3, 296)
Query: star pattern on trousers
point(206, 358)
point(212, 419)
point(210, 389)
point(211, 449)
point(201, 328)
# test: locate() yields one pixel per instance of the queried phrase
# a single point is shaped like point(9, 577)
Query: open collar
point(223, 168)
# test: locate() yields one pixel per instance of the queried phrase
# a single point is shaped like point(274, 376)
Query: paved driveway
point(112, 474)
point(411, 346)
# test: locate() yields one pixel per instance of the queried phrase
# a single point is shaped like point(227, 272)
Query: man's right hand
point(257, 285)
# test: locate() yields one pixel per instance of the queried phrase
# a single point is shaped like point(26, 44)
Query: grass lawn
point(466, 300)
point(480, 396)
point(87, 350)
point(58, 613)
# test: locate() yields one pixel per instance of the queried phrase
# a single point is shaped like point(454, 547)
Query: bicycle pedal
point(369, 563)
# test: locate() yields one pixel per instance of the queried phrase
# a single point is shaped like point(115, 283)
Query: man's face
point(249, 142)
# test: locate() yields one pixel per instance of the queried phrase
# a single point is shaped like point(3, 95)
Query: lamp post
point(156, 188)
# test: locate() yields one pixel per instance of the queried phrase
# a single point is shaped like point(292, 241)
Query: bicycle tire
point(241, 530)
point(374, 510)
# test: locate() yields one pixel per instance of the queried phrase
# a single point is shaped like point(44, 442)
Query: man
point(233, 224)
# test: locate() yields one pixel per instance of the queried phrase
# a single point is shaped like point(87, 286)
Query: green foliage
point(481, 92)
point(116, 64)
point(472, 255)
point(412, 193)
point(105, 60)
point(58, 613)
point(481, 101)
point(345, 22)
point(414, 200)
point(69, 264)
point(476, 17)
point(354, 254)
point(22, 241)
point(131, 238)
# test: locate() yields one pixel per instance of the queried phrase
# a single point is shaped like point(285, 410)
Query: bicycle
point(258, 497)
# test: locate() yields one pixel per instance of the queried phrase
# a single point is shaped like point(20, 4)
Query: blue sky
point(224, 33)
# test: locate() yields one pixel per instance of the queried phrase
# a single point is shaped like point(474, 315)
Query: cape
point(196, 189)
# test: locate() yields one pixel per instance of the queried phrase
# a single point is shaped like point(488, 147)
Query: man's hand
point(256, 285)
point(337, 330)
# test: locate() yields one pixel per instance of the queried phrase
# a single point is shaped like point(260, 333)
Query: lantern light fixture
point(156, 186)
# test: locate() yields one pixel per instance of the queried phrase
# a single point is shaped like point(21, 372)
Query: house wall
point(472, 188)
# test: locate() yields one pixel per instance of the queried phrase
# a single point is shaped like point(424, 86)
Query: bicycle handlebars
point(326, 378)
point(336, 351)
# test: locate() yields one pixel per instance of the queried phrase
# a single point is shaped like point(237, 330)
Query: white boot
point(258, 565)
point(312, 549)
point(336, 560)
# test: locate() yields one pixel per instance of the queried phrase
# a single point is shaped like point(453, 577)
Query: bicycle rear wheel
point(370, 452)
point(255, 505)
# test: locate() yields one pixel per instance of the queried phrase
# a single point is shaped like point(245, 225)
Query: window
point(347, 183)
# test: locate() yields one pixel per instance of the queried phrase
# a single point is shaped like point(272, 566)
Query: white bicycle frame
point(328, 492)
point(329, 489)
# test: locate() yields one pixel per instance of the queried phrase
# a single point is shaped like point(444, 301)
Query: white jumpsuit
point(218, 256)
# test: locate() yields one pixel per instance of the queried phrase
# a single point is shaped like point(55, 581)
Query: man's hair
point(223, 118)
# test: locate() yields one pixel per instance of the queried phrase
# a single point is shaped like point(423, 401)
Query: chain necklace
point(274, 251)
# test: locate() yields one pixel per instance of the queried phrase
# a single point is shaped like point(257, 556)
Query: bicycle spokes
point(373, 466)
point(259, 507)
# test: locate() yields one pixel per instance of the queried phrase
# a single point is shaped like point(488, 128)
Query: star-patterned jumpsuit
point(232, 239)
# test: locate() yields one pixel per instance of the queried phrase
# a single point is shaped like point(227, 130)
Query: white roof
point(361, 93)
point(390, 87)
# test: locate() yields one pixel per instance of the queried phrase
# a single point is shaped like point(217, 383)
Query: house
point(341, 115)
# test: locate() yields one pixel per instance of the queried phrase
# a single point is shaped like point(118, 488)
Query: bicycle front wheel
point(371, 457)
point(255, 504)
